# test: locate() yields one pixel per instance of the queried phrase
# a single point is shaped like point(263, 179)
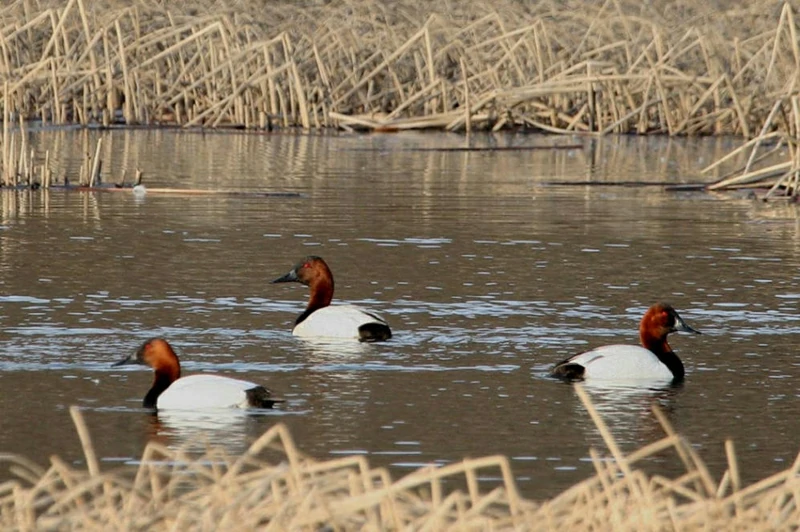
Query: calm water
point(490, 268)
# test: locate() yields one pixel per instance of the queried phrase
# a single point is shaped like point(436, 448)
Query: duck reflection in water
point(627, 409)
point(336, 374)
point(198, 431)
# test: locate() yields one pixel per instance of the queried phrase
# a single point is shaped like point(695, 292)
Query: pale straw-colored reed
point(566, 66)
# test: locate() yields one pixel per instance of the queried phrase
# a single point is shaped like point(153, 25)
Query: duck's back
point(197, 392)
point(343, 321)
point(615, 362)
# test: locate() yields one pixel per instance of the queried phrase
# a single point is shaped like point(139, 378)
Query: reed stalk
point(94, 175)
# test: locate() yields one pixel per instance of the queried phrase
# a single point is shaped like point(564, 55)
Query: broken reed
point(560, 66)
point(20, 168)
point(25, 167)
point(18, 162)
point(274, 486)
point(773, 157)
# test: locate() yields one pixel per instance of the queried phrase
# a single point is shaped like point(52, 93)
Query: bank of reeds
point(566, 66)
point(273, 486)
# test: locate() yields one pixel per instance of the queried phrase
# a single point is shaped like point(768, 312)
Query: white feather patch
point(621, 362)
point(197, 392)
point(337, 321)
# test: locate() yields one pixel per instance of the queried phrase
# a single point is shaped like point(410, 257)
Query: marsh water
point(490, 266)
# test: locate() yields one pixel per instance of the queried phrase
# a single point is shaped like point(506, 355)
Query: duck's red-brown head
point(313, 272)
point(660, 320)
point(159, 355)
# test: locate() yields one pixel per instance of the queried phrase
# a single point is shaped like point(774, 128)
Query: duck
point(320, 319)
point(654, 360)
point(194, 392)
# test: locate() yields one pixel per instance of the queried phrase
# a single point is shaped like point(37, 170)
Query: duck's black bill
point(288, 278)
point(125, 361)
point(680, 325)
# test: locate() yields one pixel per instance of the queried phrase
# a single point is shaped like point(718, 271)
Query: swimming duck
point(653, 360)
point(195, 392)
point(324, 321)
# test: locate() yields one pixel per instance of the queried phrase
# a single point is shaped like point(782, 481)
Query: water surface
point(490, 267)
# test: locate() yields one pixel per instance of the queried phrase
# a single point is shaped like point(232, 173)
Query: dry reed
point(562, 66)
point(273, 486)
point(773, 156)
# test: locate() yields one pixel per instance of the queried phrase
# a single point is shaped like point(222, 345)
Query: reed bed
point(673, 67)
point(563, 66)
point(274, 486)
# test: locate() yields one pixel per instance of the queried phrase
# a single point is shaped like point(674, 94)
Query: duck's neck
point(321, 296)
point(165, 376)
point(660, 348)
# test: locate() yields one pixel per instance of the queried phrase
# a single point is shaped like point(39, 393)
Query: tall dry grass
point(273, 486)
point(675, 67)
point(617, 66)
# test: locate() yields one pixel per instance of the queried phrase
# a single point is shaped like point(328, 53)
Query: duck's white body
point(336, 321)
point(199, 392)
point(621, 362)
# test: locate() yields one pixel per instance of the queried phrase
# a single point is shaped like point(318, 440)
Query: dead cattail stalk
point(94, 176)
point(6, 126)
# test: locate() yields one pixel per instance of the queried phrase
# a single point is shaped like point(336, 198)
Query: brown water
point(487, 272)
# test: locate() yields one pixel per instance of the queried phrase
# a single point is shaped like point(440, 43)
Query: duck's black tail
point(569, 371)
point(260, 397)
point(374, 332)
